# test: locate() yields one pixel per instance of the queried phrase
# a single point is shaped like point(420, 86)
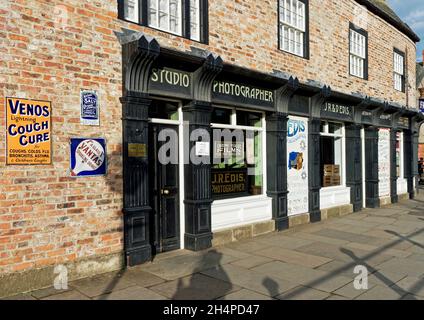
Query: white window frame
point(342, 136)
point(292, 26)
point(195, 12)
point(398, 71)
point(357, 54)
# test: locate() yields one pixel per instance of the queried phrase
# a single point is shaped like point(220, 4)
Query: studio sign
point(335, 110)
point(165, 80)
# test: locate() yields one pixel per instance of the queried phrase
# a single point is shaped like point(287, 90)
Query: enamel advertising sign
point(28, 132)
point(88, 157)
point(90, 108)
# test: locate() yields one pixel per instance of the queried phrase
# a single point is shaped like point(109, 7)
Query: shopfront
point(209, 147)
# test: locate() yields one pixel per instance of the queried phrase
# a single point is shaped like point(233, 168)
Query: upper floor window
point(293, 29)
point(399, 70)
point(186, 18)
point(358, 49)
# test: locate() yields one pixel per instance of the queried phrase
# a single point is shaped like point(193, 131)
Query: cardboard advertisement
point(297, 170)
point(384, 162)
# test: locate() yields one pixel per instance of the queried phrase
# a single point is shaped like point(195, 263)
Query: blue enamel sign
point(88, 157)
point(90, 108)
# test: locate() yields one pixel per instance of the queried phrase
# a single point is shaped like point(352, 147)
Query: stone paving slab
point(245, 294)
point(251, 262)
point(262, 283)
point(412, 285)
point(99, 285)
point(132, 293)
point(381, 293)
point(196, 287)
point(182, 266)
point(290, 256)
point(303, 293)
point(69, 295)
point(407, 266)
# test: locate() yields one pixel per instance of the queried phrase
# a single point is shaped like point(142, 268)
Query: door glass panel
point(164, 110)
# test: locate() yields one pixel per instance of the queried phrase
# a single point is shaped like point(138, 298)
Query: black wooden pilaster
point(137, 209)
point(408, 144)
point(393, 172)
point(371, 167)
point(276, 140)
point(354, 165)
point(198, 193)
point(314, 170)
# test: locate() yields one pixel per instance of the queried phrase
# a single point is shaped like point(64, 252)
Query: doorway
point(164, 191)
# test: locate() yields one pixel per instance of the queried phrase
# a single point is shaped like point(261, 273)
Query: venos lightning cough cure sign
point(28, 132)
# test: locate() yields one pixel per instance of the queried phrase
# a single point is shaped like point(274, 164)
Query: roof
point(383, 10)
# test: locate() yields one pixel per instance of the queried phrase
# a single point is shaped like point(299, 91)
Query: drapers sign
point(166, 80)
point(226, 91)
point(385, 120)
point(337, 111)
point(403, 123)
point(367, 117)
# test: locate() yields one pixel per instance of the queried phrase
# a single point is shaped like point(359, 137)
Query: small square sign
point(88, 157)
point(90, 113)
point(422, 105)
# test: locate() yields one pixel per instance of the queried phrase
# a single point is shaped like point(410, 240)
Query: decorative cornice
point(284, 94)
point(204, 77)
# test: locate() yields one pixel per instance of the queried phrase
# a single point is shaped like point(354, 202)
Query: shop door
point(164, 181)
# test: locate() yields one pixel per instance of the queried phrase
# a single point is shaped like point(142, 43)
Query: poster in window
point(384, 162)
point(297, 170)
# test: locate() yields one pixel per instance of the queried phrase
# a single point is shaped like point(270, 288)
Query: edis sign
point(337, 111)
point(88, 157)
point(28, 132)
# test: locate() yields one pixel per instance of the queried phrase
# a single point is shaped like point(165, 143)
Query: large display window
point(332, 154)
point(237, 149)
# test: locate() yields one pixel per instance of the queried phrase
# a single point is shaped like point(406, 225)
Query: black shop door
point(164, 181)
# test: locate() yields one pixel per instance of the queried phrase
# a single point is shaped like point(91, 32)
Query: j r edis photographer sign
point(28, 132)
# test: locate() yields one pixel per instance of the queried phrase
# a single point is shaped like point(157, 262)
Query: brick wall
point(50, 49)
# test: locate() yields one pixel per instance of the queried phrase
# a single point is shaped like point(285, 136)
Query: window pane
point(131, 10)
point(331, 156)
point(195, 19)
point(335, 128)
point(164, 110)
point(221, 116)
point(249, 119)
point(292, 26)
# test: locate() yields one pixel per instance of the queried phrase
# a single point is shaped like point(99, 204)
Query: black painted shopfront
point(199, 83)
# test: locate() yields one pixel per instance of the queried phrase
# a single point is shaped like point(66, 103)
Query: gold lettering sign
point(229, 182)
point(137, 150)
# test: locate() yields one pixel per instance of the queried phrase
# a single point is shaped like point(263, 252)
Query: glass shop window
point(331, 161)
point(237, 150)
point(164, 110)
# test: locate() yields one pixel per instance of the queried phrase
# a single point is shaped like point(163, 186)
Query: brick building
point(322, 92)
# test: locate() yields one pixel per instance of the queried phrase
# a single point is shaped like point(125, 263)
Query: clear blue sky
point(412, 12)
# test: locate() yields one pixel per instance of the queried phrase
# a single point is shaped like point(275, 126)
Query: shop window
point(332, 151)
point(186, 18)
point(399, 70)
point(237, 169)
point(293, 34)
point(164, 110)
point(358, 49)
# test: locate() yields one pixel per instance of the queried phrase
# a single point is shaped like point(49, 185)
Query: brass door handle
point(165, 192)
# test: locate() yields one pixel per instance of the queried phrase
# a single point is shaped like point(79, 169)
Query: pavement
point(310, 262)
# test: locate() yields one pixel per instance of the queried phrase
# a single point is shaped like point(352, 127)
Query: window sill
point(240, 200)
